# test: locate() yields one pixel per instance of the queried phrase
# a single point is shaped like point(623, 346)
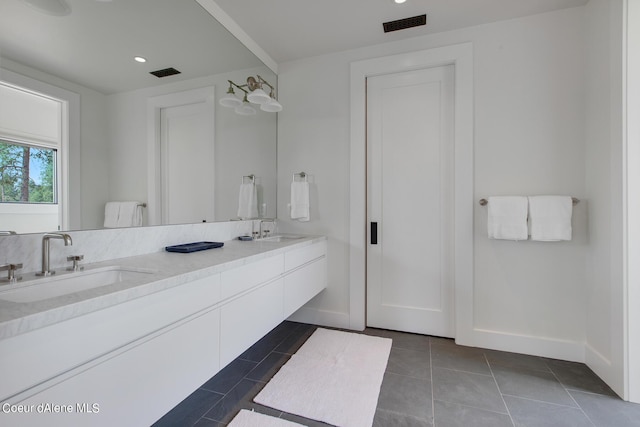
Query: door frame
point(461, 57)
point(154, 107)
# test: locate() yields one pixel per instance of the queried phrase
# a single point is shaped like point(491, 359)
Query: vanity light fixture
point(254, 92)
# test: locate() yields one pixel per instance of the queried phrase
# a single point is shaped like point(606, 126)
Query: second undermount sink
point(68, 283)
point(280, 238)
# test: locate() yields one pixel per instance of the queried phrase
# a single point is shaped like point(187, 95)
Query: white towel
point(111, 211)
point(300, 200)
point(123, 214)
point(130, 214)
point(248, 201)
point(507, 218)
point(550, 218)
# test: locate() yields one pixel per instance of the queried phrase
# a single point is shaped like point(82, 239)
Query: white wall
point(604, 285)
point(528, 139)
point(244, 144)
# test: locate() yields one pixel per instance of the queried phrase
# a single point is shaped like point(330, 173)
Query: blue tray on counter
point(194, 247)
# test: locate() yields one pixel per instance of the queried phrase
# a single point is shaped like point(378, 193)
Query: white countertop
point(169, 270)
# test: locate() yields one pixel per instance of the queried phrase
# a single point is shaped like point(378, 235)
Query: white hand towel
point(507, 218)
point(111, 211)
point(248, 201)
point(130, 214)
point(300, 200)
point(550, 218)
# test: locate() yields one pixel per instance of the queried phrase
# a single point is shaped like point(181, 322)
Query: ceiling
point(294, 29)
point(95, 43)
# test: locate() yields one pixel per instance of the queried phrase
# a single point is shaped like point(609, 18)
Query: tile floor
point(428, 382)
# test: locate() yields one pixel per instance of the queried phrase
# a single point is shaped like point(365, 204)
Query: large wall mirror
point(132, 138)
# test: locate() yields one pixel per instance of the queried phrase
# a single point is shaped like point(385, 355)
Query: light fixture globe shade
point(272, 106)
point(259, 97)
point(230, 101)
point(245, 110)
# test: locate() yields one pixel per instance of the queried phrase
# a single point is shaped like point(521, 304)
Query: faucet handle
point(76, 262)
point(11, 277)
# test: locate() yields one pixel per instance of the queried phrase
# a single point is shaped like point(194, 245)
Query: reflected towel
point(122, 214)
point(550, 218)
point(507, 218)
point(248, 201)
point(300, 200)
point(111, 210)
point(130, 214)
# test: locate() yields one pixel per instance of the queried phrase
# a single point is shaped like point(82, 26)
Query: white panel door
point(187, 163)
point(410, 201)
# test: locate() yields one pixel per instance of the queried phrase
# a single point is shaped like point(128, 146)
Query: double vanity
point(125, 340)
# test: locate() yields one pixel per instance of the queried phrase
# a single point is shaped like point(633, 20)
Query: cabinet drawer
point(137, 386)
point(28, 359)
point(296, 258)
point(303, 284)
point(246, 277)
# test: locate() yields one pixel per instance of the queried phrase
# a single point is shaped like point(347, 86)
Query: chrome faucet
point(45, 250)
point(265, 233)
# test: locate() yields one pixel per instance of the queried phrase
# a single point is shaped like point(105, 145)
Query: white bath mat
point(335, 377)
point(246, 418)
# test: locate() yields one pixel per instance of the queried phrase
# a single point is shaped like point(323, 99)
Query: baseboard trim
point(314, 316)
point(527, 344)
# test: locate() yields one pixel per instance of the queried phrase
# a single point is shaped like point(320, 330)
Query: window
point(27, 173)
point(33, 156)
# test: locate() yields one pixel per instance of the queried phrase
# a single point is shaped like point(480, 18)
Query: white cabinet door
point(245, 320)
point(303, 284)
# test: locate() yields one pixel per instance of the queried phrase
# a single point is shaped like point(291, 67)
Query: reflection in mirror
point(132, 136)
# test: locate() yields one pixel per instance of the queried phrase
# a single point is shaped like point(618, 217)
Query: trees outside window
point(27, 173)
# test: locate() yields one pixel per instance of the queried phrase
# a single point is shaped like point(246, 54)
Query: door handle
point(374, 233)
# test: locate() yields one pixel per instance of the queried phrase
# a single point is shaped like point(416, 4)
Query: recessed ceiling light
point(139, 59)
point(399, 1)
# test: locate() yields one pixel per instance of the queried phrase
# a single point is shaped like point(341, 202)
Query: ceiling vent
point(403, 24)
point(166, 72)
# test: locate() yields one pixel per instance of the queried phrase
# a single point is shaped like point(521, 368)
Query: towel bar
point(251, 177)
point(485, 202)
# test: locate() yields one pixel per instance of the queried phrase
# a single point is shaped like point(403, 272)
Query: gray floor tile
point(268, 367)
point(410, 363)
point(578, 376)
point(402, 339)
point(536, 385)
point(446, 354)
point(516, 360)
point(190, 409)
point(465, 388)
point(240, 397)
point(229, 376)
point(531, 413)
point(406, 395)
point(385, 418)
point(294, 341)
point(608, 411)
point(454, 415)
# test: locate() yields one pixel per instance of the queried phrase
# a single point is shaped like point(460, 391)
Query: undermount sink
point(68, 283)
point(280, 238)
